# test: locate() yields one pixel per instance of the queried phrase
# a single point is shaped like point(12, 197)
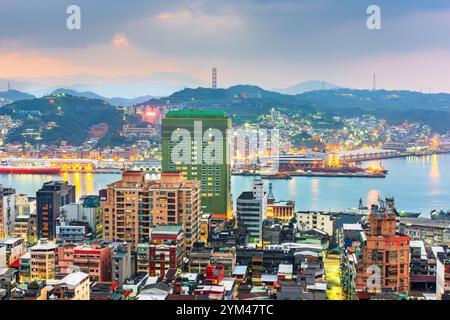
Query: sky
point(271, 43)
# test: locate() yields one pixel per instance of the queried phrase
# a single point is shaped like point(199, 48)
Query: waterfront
point(419, 184)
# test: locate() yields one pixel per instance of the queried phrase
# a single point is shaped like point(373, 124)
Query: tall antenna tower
point(214, 78)
point(9, 86)
point(374, 84)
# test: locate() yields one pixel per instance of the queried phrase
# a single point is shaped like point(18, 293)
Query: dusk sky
point(271, 43)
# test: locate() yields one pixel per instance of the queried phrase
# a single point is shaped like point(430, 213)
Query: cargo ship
point(29, 168)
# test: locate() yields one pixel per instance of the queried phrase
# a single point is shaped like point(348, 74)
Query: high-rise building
point(7, 211)
point(385, 265)
point(134, 205)
point(205, 157)
point(50, 198)
point(252, 210)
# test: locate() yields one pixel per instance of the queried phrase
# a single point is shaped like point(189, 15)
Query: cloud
point(120, 41)
point(269, 42)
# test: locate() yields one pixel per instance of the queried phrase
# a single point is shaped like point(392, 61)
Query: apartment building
point(94, 260)
point(166, 249)
point(385, 264)
point(15, 248)
point(443, 275)
point(316, 220)
point(74, 286)
point(43, 262)
point(7, 211)
point(134, 205)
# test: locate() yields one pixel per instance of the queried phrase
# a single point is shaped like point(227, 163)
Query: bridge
point(367, 155)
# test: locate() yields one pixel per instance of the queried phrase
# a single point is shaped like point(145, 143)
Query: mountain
point(50, 119)
point(156, 84)
point(243, 102)
point(307, 86)
point(246, 103)
point(85, 94)
point(9, 96)
point(116, 101)
point(125, 102)
point(30, 87)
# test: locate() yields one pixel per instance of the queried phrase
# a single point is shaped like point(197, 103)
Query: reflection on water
point(417, 183)
point(315, 186)
point(434, 172)
point(292, 187)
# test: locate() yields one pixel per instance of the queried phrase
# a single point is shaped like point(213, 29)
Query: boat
point(403, 214)
point(277, 176)
point(440, 215)
point(29, 168)
point(246, 173)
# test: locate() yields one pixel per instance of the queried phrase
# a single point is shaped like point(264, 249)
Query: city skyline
point(274, 44)
point(222, 150)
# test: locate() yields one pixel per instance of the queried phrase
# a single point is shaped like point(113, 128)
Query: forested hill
point(54, 118)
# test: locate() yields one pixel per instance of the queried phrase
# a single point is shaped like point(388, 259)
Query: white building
point(252, 210)
point(7, 212)
point(15, 248)
point(74, 286)
point(72, 234)
point(442, 273)
point(77, 212)
point(316, 220)
point(24, 206)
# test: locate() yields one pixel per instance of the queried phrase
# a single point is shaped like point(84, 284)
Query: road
point(334, 291)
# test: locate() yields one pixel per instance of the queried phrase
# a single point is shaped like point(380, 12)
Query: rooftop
point(246, 195)
point(10, 241)
point(285, 269)
point(240, 270)
point(352, 226)
point(167, 229)
point(72, 279)
point(44, 246)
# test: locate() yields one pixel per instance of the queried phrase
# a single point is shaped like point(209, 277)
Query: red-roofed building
point(95, 261)
point(214, 275)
